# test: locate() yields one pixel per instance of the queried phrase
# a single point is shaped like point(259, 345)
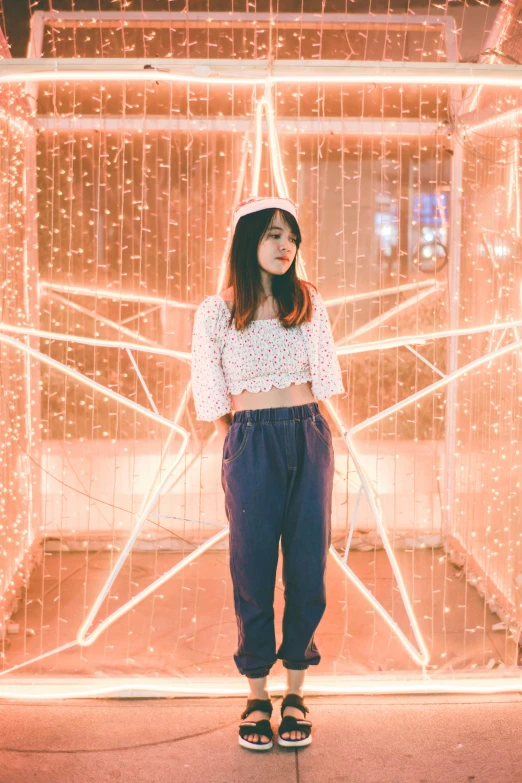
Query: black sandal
point(260, 727)
point(294, 724)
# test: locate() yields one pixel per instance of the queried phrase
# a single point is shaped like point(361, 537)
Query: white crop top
point(227, 361)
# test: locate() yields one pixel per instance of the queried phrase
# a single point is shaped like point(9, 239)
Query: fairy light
point(172, 308)
point(422, 659)
point(374, 501)
point(83, 379)
point(515, 205)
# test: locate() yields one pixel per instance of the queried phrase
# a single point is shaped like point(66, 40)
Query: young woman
point(264, 348)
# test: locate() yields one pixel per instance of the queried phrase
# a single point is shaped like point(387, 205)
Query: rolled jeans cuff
point(295, 666)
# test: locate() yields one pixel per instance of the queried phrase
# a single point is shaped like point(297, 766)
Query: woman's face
point(277, 248)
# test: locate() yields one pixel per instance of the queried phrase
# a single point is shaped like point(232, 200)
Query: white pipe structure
point(379, 320)
point(352, 126)
point(275, 154)
point(422, 339)
point(48, 689)
point(457, 167)
point(74, 338)
point(225, 19)
point(252, 72)
point(103, 293)
point(116, 296)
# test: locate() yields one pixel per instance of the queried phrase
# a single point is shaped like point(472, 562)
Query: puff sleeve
point(211, 398)
point(324, 362)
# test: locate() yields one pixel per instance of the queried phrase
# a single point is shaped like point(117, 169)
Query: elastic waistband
point(308, 411)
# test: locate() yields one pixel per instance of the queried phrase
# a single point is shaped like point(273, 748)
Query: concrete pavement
point(379, 739)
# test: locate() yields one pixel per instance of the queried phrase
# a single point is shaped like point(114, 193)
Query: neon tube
point(116, 296)
point(101, 319)
point(73, 338)
point(394, 342)
point(381, 319)
point(203, 73)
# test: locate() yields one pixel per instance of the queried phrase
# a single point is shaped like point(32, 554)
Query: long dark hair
point(291, 294)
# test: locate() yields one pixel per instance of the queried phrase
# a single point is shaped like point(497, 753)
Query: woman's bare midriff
point(295, 394)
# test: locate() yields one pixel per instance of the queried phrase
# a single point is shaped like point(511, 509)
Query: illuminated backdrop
point(114, 539)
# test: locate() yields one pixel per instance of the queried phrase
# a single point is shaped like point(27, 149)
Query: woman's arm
point(209, 388)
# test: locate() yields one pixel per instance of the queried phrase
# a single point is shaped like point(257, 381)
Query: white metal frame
point(363, 127)
point(261, 72)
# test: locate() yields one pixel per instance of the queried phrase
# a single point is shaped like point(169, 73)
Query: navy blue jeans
point(277, 475)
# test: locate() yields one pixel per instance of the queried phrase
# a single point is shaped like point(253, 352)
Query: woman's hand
point(223, 425)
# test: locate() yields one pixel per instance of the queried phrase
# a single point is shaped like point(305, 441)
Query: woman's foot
point(255, 716)
point(258, 690)
point(294, 730)
point(294, 713)
point(258, 711)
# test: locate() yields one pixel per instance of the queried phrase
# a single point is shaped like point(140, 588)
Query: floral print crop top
point(226, 361)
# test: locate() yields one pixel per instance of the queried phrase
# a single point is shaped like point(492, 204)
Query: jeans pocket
point(321, 427)
point(235, 441)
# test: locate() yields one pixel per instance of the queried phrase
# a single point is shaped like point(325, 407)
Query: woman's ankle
point(258, 689)
point(295, 681)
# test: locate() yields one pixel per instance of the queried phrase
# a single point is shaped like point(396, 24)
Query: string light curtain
point(411, 228)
